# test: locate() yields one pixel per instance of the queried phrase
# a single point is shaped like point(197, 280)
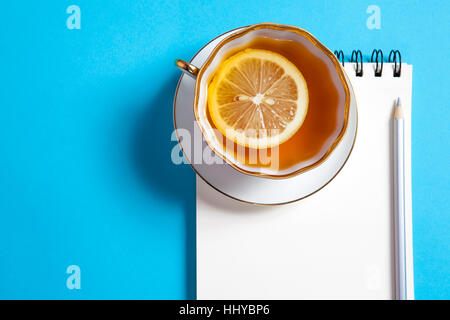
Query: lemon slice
point(258, 98)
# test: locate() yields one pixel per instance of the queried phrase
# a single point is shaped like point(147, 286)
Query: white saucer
point(240, 186)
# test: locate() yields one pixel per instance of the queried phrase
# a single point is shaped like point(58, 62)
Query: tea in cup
point(271, 100)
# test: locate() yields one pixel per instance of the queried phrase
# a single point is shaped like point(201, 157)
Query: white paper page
point(335, 244)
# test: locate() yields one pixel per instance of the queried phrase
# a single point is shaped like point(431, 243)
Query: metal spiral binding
point(377, 57)
point(357, 57)
point(396, 58)
point(340, 55)
point(377, 54)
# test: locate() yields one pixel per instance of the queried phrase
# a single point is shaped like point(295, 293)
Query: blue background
point(85, 136)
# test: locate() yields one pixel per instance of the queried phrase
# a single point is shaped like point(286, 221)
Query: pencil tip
point(398, 110)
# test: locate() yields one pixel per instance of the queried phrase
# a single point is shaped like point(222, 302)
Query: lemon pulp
point(258, 98)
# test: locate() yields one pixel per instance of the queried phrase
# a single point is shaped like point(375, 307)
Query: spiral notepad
point(337, 243)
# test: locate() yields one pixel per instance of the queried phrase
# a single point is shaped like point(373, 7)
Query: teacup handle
point(187, 68)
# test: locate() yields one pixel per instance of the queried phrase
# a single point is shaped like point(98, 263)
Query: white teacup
point(239, 39)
